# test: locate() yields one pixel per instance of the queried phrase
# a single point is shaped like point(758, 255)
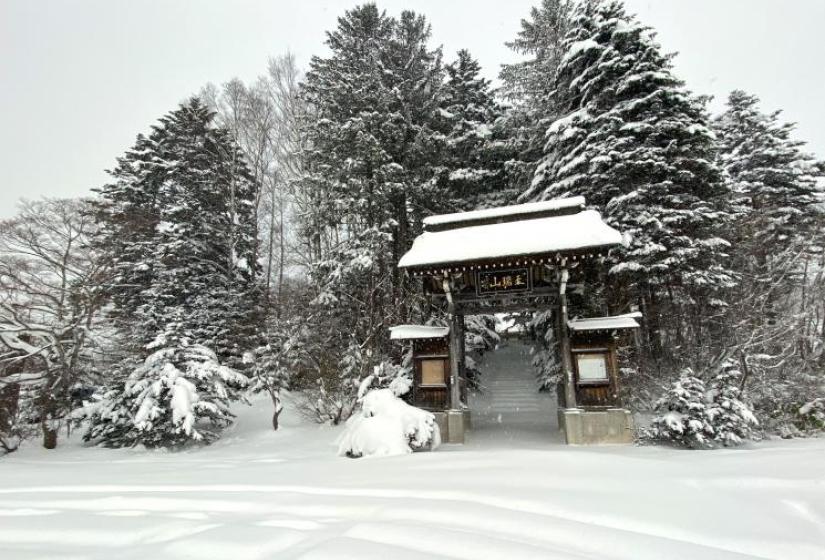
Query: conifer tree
point(528, 88)
point(178, 231)
point(636, 144)
point(473, 163)
point(778, 232)
point(773, 182)
point(371, 148)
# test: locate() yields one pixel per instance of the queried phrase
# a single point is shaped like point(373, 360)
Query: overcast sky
point(79, 79)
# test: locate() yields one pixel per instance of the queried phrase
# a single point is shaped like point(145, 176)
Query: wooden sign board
point(506, 280)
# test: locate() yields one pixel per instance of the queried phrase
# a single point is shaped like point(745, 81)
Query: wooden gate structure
point(515, 258)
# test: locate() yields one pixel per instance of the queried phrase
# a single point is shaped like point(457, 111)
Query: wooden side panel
point(598, 394)
point(430, 397)
point(595, 395)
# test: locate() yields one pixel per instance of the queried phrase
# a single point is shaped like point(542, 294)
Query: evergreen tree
point(694, 414)
point(473, 161)
point(636, 144)
point(778, 234)
point(732, 419)
point(774, 183)
point(682, 415)
point(179, 233)
point(528, 87)
point(371, 148)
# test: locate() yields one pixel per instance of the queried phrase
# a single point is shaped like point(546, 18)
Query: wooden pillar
point(456, 345)
point(564, 342)
point(456, 356)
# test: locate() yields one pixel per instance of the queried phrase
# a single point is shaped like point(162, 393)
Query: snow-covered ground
point(512, 492)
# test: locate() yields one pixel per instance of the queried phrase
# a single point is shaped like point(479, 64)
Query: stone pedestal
point(455, 426)
point(589, 427)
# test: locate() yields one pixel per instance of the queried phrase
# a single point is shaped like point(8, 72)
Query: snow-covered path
point(257, 494)
point(510, 409)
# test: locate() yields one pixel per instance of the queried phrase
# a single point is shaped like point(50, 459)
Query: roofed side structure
point(417, 332)
point(627, 321)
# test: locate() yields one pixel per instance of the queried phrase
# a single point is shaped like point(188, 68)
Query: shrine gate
point(508, 259)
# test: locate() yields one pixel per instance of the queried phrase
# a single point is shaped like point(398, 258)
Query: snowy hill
point(258, 494)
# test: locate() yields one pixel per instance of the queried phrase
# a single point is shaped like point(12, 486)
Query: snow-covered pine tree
point(779, 239)
point(528, 88)
point(774, 182)
point(692, 413)
point(178, 230)
point(682, 414)
point(272, 366)
point(732, 419)
point(636, 144)
point(473, 172)
point(371, 149)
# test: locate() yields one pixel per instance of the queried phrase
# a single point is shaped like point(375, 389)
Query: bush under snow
point(386, 425)
point(694, 415)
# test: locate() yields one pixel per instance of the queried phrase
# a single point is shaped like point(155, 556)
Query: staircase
point(509, 404)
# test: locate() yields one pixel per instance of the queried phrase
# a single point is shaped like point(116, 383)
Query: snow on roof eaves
point(539, 236)
point(410, 332)
point(627, 321)
point(518, 209)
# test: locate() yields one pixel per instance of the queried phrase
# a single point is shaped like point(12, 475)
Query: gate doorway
point(508, 408)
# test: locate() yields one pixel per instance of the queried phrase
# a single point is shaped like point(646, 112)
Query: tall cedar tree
point(473, 159)
point(528, 87)
point(636, 144)
point(371, 144)
point(178, 228)
point(773, 182)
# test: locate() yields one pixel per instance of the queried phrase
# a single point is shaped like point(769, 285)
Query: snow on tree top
point(504, 213)
point(409, 332)
point(626, 321)
point(544, 236)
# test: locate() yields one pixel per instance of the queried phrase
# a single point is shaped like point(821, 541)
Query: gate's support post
point(569, 417)
point(455, 416)
point(564, 342)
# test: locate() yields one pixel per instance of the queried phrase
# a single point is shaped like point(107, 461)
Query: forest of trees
point(248, 241)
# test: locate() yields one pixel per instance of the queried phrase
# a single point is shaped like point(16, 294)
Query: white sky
point(79, 79)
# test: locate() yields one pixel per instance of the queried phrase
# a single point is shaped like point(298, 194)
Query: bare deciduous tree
point(263, 118)
point(49, 297)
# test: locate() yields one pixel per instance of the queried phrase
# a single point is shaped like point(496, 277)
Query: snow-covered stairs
point(510, 403)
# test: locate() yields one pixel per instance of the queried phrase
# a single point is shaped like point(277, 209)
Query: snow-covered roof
point(409, 332)
point(626, 321)
point(516, 211)
point(543, 236)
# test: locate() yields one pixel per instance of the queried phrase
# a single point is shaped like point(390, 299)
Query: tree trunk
point(276, 403)
point(49, 435)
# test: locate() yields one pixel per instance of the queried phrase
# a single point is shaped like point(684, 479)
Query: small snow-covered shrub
point(682, 416)
point(694, 415)
point(328, 386)
point(387, 375)
point(811, 416)
point(386, 425)
point(732, 419)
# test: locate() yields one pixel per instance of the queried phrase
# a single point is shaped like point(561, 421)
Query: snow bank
point(386, 425)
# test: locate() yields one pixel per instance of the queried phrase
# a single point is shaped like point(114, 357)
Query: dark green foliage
point(178, 230)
